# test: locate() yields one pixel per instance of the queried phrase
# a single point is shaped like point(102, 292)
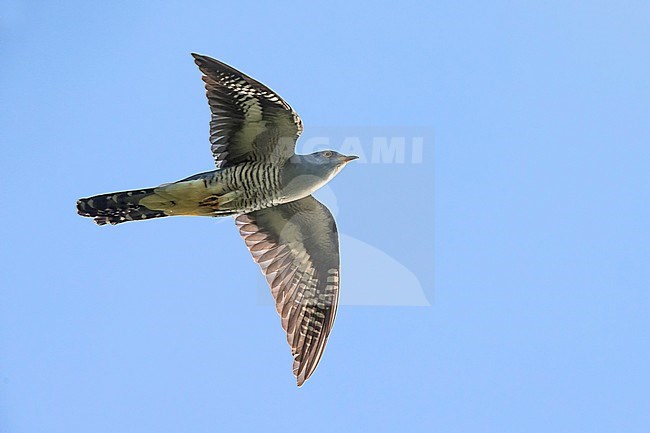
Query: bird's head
point(318, 168)
point(330, 160)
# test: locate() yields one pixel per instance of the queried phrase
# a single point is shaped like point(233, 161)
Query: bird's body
point(267, 187)
point(239, 189)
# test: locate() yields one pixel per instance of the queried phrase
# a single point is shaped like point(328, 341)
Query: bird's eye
point(327, 154)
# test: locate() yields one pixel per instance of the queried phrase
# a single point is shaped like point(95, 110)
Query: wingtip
point(200, 59)
point(301, 378)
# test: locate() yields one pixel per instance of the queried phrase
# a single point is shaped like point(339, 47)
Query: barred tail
point(118, 207)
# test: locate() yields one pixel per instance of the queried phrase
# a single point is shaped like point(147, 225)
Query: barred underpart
point(258, 185)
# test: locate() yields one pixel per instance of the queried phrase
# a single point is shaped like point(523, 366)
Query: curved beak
point(350, 158)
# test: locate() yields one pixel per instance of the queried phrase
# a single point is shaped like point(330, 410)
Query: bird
point(267, 188)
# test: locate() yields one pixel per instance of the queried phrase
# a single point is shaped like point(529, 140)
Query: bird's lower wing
point(296, 245)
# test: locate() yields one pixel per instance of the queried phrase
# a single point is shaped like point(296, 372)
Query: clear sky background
point(525, 225)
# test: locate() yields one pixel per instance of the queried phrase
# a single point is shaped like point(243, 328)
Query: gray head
point(321, 166)
point(327, 162)
point(328, 158)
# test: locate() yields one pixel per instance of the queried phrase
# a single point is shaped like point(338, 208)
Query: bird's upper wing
point(249, 121)
point(296, 244)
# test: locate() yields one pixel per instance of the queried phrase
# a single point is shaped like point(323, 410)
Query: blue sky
point(524, 225)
